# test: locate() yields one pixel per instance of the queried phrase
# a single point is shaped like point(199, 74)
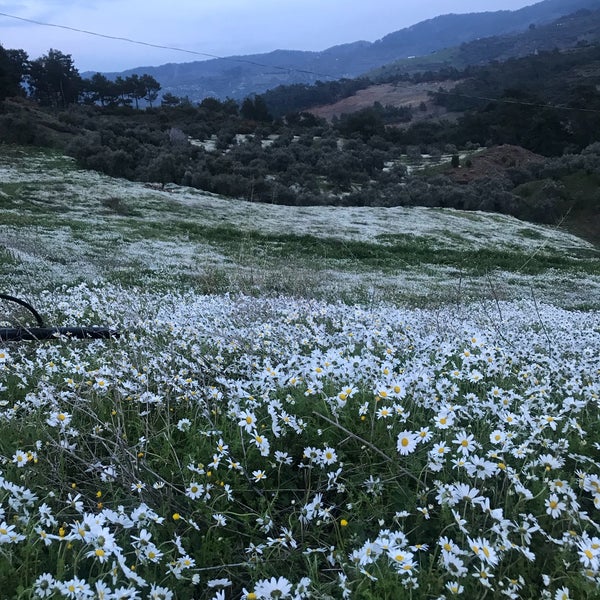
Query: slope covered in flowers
point(62, 225)
point(223, 441)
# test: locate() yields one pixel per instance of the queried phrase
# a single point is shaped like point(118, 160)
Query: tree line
point(547, 102)
point(53, 80)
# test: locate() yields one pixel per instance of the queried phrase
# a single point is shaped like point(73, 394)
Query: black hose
point(17, 334)
point(28, 306)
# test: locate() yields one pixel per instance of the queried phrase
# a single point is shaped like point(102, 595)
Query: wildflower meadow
point(228, 446)
point(321, 402)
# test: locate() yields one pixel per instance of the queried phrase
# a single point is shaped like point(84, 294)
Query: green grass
point(581, 199)
point(7, 258)
point(583, 188)
point(116, 205)
point(96, 226)
point(531, 234)
point(393, 253)
point(436, 60)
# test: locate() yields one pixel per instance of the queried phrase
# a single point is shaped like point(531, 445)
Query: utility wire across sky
point(163, 47)
point(280, 68)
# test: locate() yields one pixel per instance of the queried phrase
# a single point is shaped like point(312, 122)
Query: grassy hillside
point(64, 225)
point(376, 403)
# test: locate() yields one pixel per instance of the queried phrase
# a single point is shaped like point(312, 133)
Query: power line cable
point(509, 101)
point(280, 68)
point(164, 47)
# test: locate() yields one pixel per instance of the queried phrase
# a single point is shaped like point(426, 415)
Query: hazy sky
point(216, 27)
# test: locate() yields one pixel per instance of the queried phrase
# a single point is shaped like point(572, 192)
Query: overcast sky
point(216, 27)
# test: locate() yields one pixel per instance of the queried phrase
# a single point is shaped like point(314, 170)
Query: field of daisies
point(267, 442)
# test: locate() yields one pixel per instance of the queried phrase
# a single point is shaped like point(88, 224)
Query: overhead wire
point(165, 47)
point(510, 101)
point(278, 67)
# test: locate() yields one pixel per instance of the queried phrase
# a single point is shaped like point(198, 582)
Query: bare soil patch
point(392, 94)
point(493, 162)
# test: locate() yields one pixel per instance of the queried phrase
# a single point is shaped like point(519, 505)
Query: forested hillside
point(579, 29)
point(382, 155)
point(239, 76)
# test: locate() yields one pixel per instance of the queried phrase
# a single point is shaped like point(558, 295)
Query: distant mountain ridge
point(239, 76)
point(569, 31)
